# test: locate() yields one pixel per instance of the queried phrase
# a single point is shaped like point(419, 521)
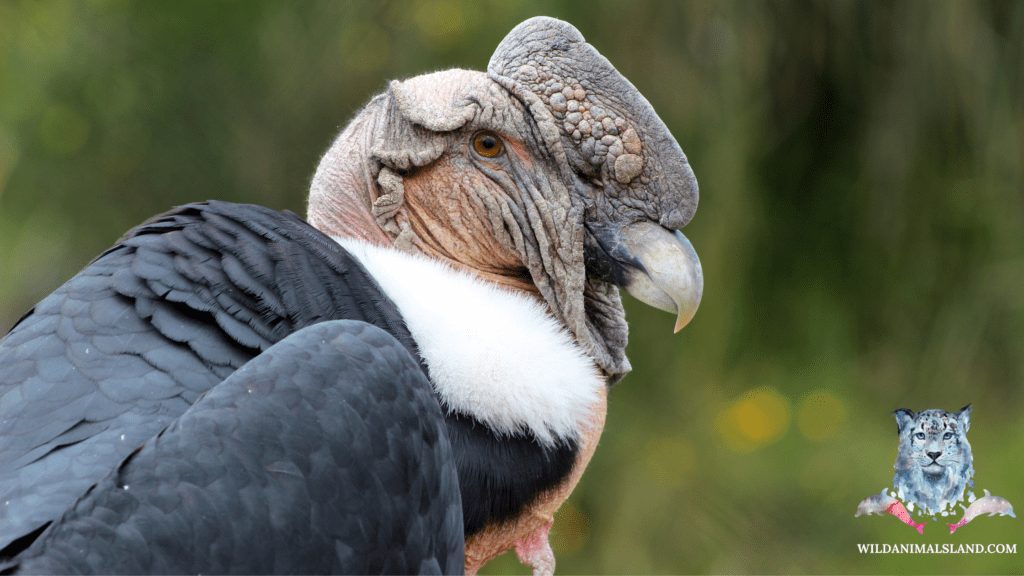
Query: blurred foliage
point(861, 229)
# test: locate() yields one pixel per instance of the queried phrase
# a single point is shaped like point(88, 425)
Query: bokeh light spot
point(819, 415)
point(757, 418)
point(753, 422)
point(571, 529)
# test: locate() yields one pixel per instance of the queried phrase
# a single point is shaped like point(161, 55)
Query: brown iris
point(487, 144)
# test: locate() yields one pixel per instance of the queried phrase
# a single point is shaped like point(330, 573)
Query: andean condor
point(413, 381)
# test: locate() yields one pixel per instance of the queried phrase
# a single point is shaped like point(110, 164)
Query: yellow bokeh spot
point(571, 529)
point(819, 415)
point(757, 418)
point(669, 460)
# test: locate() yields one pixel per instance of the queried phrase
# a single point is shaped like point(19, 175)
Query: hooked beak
point(657, 266)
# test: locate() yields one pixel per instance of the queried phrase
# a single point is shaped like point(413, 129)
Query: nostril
point(934, 455)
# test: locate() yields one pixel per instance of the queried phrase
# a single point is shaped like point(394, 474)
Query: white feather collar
point(491, 353)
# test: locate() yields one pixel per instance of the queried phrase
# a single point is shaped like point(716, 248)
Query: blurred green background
point(861, 228)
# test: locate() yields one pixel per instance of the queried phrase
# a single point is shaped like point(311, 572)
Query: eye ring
point(488, 144)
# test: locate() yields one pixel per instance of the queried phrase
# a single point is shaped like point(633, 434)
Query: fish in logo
point(987, 504)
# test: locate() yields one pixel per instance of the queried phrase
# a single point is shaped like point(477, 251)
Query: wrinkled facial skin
point(456, 226)
point(466, 206)
point(490, 213)
point(478, 219)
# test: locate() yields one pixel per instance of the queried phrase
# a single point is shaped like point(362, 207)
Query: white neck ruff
point(491, 353)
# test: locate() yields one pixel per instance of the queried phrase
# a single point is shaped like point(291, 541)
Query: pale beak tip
point(682, 320)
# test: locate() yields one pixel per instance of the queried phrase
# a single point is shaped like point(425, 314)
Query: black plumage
point(500, 474)
point(264, 472)
point(126, 346)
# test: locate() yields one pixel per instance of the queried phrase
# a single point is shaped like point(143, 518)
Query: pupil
point(488, 142)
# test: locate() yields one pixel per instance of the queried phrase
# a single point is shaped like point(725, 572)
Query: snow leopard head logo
point(933, 465)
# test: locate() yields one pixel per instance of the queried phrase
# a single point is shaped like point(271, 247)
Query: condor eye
point(919, 435)
point(487, 144)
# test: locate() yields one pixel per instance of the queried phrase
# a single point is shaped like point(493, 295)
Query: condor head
point(549, 174)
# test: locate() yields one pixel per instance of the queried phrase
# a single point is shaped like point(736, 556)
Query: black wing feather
point(273, 471)
point(127, 345)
